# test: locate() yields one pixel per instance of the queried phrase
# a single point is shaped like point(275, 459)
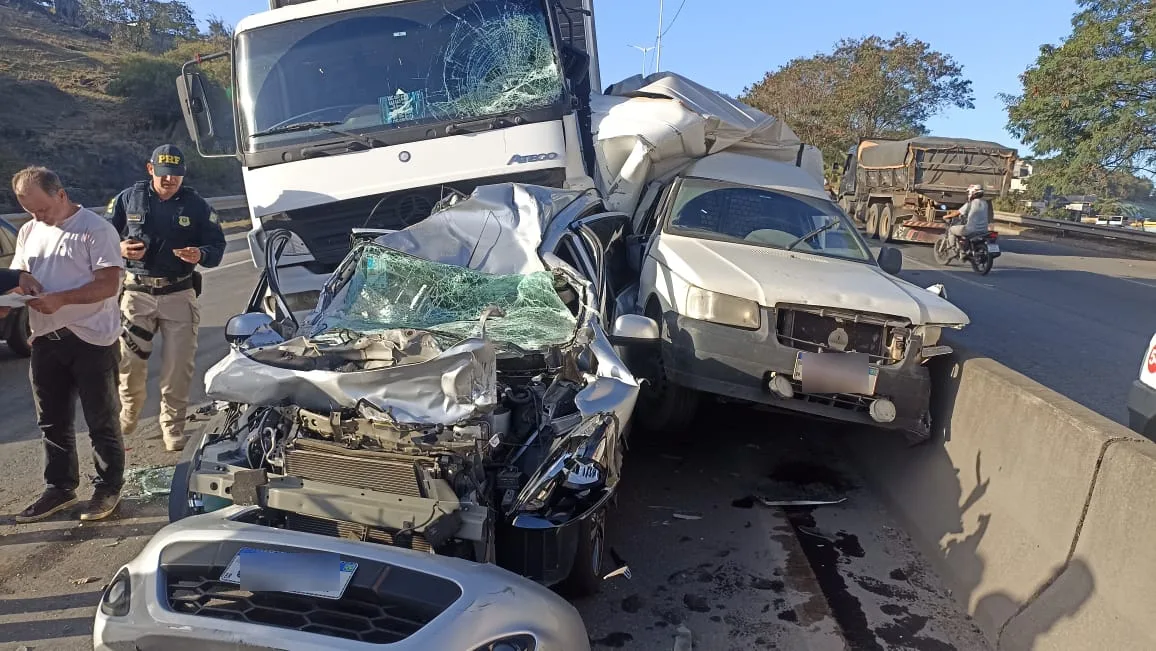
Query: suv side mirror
point(633, 329)
point(891, 260)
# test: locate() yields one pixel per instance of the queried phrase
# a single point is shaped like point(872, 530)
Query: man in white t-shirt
point(74, 256)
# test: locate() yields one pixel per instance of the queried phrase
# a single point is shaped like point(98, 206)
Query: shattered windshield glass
point(390, 290)
point(760, 216)
point(395, 65)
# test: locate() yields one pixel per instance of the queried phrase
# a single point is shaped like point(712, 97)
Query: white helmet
point(974, 189)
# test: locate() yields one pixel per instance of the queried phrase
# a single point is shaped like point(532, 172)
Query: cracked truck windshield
point(398, 65)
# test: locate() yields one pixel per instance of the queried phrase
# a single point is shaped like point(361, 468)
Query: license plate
point(992, 248)
point(313, 574)
point(836, 373)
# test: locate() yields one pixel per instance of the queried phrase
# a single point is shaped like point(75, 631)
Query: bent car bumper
point(1142, 409)
point(738, 363)
point(406, 599)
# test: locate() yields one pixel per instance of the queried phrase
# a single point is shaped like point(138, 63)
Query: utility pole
point(643, 50)
point(658, 41)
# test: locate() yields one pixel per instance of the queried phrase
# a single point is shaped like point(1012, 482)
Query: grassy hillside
point(56, 110)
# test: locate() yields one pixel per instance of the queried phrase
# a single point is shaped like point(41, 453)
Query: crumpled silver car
point(453, 393)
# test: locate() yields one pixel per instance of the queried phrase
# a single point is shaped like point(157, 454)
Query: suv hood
point(772, 276)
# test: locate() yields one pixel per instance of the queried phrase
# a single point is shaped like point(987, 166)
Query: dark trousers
point(62, 370)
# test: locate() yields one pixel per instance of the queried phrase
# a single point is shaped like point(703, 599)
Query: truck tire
point(872, 225)
point(847, 206)
point(886, 223)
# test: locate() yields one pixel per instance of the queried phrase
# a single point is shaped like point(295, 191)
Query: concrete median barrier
point(1023, 501)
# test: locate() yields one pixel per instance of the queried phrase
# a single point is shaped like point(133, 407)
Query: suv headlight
point(705, 305)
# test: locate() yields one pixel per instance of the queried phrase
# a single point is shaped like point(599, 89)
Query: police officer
point(166, 230)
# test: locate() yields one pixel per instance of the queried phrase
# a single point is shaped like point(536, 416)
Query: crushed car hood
point(771, 276)
point(449, 388)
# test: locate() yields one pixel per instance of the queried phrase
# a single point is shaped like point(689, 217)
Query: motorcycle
point(980, 249)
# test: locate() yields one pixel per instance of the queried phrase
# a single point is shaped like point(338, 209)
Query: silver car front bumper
point(493, 604)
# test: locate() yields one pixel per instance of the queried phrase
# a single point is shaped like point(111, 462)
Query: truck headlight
point(705, 305)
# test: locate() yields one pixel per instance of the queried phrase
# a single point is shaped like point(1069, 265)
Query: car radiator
point(318, 461)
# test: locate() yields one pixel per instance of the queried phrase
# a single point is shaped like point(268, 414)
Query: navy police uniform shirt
point(9, 280)
point(184, 220)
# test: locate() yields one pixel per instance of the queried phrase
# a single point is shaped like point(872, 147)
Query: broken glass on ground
point(151, 481)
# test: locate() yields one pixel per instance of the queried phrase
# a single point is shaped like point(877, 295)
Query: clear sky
point(730, 44)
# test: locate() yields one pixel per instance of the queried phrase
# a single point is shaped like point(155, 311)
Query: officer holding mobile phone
point(166, 230)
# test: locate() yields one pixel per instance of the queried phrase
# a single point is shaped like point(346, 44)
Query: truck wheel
point(873, 221)
point(662, 404)
point(886, 223)
point(845, 204)
point(18, 340)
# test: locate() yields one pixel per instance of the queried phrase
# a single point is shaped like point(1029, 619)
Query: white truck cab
point(761, 285)
point(1142, 397)
point(350, 114)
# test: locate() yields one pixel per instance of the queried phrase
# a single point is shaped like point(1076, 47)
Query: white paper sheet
point(14, 300)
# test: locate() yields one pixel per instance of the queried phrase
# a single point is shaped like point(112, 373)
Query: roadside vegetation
point(89, 88)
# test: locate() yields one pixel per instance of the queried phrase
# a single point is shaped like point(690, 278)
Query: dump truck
point(365, 114)
point(900, 189)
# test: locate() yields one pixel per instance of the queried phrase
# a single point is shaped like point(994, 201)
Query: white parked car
point(756, 277)
point(1142, 397)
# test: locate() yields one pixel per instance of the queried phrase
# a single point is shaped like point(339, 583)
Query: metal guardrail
point(233, 202)
point(1107, 232)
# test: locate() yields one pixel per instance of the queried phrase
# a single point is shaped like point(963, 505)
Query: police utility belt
point(161, 285)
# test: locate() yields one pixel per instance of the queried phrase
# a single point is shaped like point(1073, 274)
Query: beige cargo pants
point(175, 318)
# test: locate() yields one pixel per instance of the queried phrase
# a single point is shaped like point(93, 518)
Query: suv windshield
point(737, 213)
point(395, 65)
point(390, 290)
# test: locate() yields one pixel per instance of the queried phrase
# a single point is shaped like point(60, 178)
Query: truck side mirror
point(207, 110)
point(891, 260)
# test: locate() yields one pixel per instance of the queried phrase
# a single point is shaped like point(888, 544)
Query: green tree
point(1089, 104)
point(865, 88)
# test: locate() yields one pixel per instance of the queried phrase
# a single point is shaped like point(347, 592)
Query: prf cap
point(167, 160)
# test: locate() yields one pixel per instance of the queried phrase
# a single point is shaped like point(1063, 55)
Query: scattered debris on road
point(621, 568)
point(683, 641)
point(85, 580)
point(788, 503)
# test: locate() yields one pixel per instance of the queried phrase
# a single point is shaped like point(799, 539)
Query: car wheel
point(179, 494)
point(872, 225)
point(662, 404)
point(21, 333)
point(585, 577)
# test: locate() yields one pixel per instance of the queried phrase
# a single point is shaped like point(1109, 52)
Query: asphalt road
point(741, 576)
point(1073, 319)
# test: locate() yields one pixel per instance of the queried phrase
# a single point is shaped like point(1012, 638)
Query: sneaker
point(104, 501)
point(52, 501)
point(175, 445)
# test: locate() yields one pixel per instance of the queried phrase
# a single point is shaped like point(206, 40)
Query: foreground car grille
point(822, 330)
point(354, 531)
point(360, 615)
point(848, 401)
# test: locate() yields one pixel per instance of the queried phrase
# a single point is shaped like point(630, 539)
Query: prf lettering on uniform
point(168, 159)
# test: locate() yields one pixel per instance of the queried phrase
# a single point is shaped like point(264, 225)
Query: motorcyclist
point(976, 214)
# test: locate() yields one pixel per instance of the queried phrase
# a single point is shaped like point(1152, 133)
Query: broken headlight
point(574, 471)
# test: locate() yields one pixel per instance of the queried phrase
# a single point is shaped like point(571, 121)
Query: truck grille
point(354, 531)
point(361, 614)
point(384, 475)
point(821, 330)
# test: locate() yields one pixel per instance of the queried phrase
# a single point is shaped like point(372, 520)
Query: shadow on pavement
point(50, 629)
